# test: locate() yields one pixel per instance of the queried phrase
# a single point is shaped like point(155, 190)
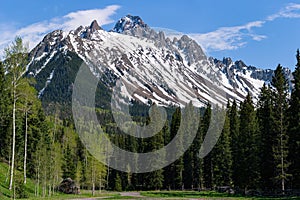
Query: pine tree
point(197, 162)
point(69, 166)
point(188, 166)
point(280, 149)
point(265, 121)
point(248, 168)
point(294, 127)
point(4, 114)
point(207, 161)
point(235, 145)
point(191, 124)
point(167, 170)
point(155, 179)
point(222, 160)
point(175, 169)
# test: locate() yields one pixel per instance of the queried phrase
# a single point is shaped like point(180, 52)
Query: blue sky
point(261, 33)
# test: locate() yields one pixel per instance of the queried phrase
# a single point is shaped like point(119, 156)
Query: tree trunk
point(25, 145)
point(38, 176)
point(282, 166)
point(93, 189)
point(100, 182)
point(281, 151)
point(93, 176)
point(13, 142)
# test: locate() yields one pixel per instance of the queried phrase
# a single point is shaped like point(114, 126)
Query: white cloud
point(35, 32)
point(228, 38)
point(75, 19)
point(224, 38)
point(235, 37)
point(289, 11)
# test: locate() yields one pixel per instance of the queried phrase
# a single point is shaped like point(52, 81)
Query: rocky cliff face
point(151, 67)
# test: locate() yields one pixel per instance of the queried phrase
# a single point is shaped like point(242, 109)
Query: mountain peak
point(128, 22)
point(94, 26)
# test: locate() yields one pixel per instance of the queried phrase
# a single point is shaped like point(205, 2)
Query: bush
point(20, 189)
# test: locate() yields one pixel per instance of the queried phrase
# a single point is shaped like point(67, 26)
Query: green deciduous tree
point(15, 65)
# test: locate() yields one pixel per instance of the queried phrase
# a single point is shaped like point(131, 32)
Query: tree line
point(45, 149)
point(258, 149)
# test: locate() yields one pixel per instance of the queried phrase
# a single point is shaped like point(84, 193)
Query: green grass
point(60, 196)
point(118, 196)
point(6, 194)
point(202, 195)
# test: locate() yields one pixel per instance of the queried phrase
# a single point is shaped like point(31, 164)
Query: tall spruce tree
point(176, 168)
point(188, 166)
point(294, 127)
point(197, 162)
point(222, 159)
point(235, 145)
point(207, 161)
point(280, 149)
point(155, 179)
point(248, 168)
point(190, 127)
point(4, 119)
point(265, 120)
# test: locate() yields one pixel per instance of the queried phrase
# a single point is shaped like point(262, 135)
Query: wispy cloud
point(229, 38)
point(224, 38)
point(290, 11)
point(235, 37)
point(35, 32)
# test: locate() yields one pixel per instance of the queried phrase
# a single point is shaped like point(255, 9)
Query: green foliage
point(222, 159)
point(280, 149)
point(4, 114)
point(234, 140)
point(207, 161)
point(254, 151)
point(248, 165)
point(294, 127)
point(155, 179)
point(118, 183)
point(58, 93)
point(265, 115)
point(69, 166)
point(197, 167)
point(20, 189)
point(176, 168)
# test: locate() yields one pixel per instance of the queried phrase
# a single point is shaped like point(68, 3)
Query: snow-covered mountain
point(151, 66)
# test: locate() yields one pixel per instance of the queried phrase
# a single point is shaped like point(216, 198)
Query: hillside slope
point(151, 67)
